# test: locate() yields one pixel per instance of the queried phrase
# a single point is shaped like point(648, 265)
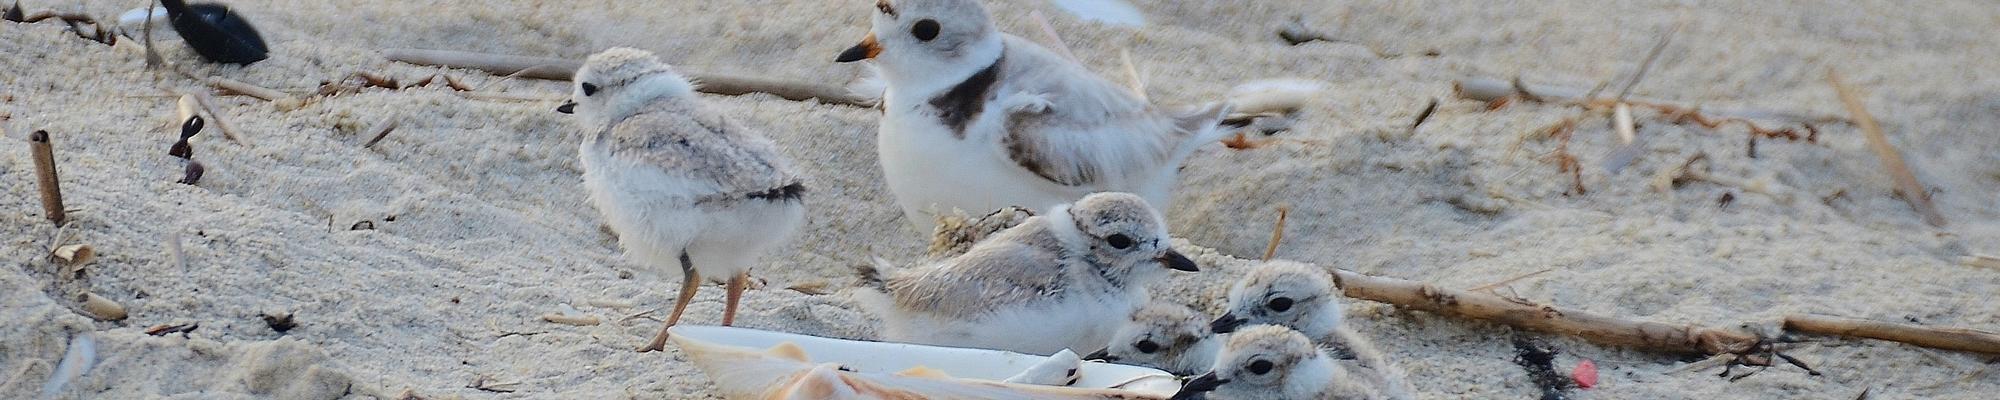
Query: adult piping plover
point(1302, 297)
point(1269, 362)
point(1057, 281)
point(678, 181)
point(1163, 335)
point(976, 119)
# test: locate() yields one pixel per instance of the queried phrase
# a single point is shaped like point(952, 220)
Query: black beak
point(568, 107)
point(1226, 323)
point(1174, 259)
point(1198, 387)
point(1100, 355)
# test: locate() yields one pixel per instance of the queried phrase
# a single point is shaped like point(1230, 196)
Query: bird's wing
point(1004, 270)
point(1072, 127)
point(724, 159)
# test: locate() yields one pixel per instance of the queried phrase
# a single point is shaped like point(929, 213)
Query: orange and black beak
point(567, 107)
point(868, 49)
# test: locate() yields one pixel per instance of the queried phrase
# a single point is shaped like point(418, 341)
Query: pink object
point(1585, 374)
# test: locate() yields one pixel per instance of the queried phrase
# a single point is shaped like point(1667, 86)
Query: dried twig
point(485, 383)
point(1277, 232)
point(1424, 115)
point(1980, 260)
point(1906, 182)
point(1588, 326)
point(381, 129)
point(1648, 64)
point(1959, 339)
point(173, 329)
point(559, 69)
point(1642, 334)
point(45, 177)
point(228, 131)
point(1505, 282)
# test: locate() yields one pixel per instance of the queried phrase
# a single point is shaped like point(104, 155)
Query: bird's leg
point(691, 281)
point(736, 285)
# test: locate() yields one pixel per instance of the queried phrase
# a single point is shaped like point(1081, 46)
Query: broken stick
point(561, 70)
point(45, 176)
point(1645, 335)
point(1906, 182)
point(1585, 325)
point(1937, 338)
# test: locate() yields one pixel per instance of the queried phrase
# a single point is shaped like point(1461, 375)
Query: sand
point(479, 227)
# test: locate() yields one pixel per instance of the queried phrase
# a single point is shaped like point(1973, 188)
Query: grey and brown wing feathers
point(1018, 266)
point(1093, 132)
point(721, 159)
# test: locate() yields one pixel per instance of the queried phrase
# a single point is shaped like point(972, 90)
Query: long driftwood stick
point(1588, 326)
point(1938, 338)
point(561, 70)
point(1642, 334)
point(1906, 182)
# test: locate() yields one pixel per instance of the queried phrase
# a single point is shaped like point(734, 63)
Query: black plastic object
point(216, 33)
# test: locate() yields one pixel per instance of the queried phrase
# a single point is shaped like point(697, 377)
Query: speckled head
point(1167, 336)
point(615, 83)
point(1123, 231)
point(1267, 362)
point(1278, 292)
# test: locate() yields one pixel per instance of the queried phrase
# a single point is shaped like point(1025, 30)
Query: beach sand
point(480, 227)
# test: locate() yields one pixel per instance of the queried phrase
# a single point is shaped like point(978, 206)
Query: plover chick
point(1303, 297)
point(1269, 362)
point(1164, 335)
point(680, 183)
point(1060, 280)
point(976, 119)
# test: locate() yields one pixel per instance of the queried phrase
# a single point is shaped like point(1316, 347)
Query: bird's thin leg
point(691, 281)
point(736, 285)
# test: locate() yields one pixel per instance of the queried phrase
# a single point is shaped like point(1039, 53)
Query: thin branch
point(1588, 326)
point(1906, 182)
point(1647, 65)
point(1959, 339)
point(1277, 232)
point(559, 69)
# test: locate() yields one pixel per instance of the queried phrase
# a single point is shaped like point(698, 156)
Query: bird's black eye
point(1147, 346)
point(1259, 367)
point(589, 89)
point(1280, 304)
point(1119, 241)
point(925, 30)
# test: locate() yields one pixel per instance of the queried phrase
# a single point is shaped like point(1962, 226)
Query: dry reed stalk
point(45, 177)
point(1892, 161)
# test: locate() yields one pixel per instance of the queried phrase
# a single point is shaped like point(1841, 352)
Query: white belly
point(651, 211)
point(932, 172)
point(1081, 324)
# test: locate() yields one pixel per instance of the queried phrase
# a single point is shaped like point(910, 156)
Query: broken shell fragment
point(101, 308)
point(75, 254)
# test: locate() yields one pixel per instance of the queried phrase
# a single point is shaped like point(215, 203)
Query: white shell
point(1274, 95)
point(794, 365)
point(82, 355)
point(133, 23)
